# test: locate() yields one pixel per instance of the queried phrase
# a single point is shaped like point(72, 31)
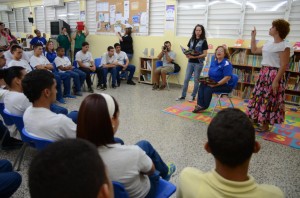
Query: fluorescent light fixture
point(199, 6)
point(251, 5)
point(275, 8)
point(62, 15)
point(70, 14)
point(235, 2)
point(213, 3)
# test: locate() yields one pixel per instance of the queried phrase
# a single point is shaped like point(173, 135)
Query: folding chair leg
point(212, 113)
point(168, 82)
point(178, 80)
point(20, 156)
point(230, 102)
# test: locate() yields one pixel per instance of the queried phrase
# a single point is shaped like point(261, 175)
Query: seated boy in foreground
point(231, 140)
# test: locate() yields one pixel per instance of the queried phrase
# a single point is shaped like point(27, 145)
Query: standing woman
point(197, 43)
point(38, 39)
point(126, 41)
point(79, 38)
point(266, 105)
point(64, 41)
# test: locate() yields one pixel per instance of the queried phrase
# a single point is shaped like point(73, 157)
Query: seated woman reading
point(220, 75)
point(131, 165)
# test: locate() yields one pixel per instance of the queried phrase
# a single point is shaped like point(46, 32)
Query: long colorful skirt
point(264, 106)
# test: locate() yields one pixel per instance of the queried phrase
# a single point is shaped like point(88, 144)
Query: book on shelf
point(149, 65)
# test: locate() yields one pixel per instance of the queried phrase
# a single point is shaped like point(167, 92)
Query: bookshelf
point(247, 66)
point(147, 67)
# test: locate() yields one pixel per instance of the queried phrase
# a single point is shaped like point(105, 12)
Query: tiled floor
point(180, 140)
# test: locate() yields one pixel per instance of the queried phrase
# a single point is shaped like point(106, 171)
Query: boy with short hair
point(231, 140)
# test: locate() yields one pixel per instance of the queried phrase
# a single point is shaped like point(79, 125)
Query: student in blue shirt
point(220, 71)
point(38, 39)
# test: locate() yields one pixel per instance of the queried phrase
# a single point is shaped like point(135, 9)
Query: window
point(189, 14)
point(4, 18)
point(50, 13)
point(91, 16)
point(157, 17)
point(294, 20)
point(12, 23)
point(73, 13)
point(39, 18)
point(27, 25)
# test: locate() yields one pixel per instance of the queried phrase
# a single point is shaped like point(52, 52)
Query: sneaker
point(192, 99)
point(78, 93)
point(69, 96)
point(118, 84)
point(103, 87)
point(114, 86)
point(62, 101)
point(90, 89)
point(99, 87)
point(155, 86)
point(130, 82)
point(181, 98)
point(172, 170)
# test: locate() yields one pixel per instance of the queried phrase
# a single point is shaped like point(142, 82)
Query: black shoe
point(91, 90)
point(155, 86)
point(11, 144)
point(114, 86)
point(198, 109)
point(98, 87)
point(130, 82)
point(119, 83)
point(181, 98)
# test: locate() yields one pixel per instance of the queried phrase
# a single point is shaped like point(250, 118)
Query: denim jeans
point(155, 157)
point(66, 78)
point(113, 72)
point(130, 68)
point(9, 180)
point(88, 78)
point(58, 109)
point(195, 68)
point(78, 78)
point(205, 93)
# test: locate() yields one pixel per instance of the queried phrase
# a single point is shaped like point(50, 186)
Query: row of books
point(293, 83)
point(146, 64)
point(241, 58)
point(294, 66)
point(237, 93)
point(254, 60)
point(292, 98)
point(246, 75)
point(145, 77)
point(247, 92)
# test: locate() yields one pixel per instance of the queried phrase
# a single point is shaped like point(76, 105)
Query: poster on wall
point(170, 17)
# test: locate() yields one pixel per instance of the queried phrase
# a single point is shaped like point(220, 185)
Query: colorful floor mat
point(286, 134)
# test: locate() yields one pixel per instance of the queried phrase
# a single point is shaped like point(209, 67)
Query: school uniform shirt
point(125, 164)
point(8, 56)
point(41, 60)
point(62, 62)
point(3, 93)
point(84, 58)
point(37, 40)
point(21, 63)
point(108, 60)
point(41, 122)
point(121, 57)
point(172, 56)
point(194, 183)
point(16, 103)
point(50, 56)
point(218, 71)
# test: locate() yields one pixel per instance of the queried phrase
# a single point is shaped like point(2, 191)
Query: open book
point(189, 51)
point(207, 80)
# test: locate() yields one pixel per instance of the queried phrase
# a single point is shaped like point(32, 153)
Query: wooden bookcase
point(247, 66)
point(146, 69)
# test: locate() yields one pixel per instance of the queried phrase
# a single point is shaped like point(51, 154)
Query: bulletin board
point(113, 15)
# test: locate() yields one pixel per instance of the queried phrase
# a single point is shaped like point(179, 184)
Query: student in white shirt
point(64, 66)
point(39, 61)
point(86, 64)
point(131, 165)
point(9, 54)
point(123, 65)
point(17, 60)
point(109, 63)
point(40, 88)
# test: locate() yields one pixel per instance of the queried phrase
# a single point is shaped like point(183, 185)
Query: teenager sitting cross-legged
point(39, 86)
point(231, 140)
point(131, 165)
point(64, 66)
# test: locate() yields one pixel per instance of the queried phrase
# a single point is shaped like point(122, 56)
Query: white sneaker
point(192, 99)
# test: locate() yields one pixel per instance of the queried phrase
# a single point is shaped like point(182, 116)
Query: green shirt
point(63, 41)
point(79, 39)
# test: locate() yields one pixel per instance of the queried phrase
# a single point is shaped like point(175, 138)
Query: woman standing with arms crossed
point(197, 43)
point(266, 105)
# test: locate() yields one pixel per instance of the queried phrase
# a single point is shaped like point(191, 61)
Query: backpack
point(176, 67)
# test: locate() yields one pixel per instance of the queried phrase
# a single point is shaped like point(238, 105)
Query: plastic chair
point(97, 62)
point(7, 121)
point(164, 189)
point(159, 63)
point(220, 94)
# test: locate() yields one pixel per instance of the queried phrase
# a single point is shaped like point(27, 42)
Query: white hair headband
point(110, 104)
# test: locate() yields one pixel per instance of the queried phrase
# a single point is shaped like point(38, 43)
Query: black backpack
point(176, 67)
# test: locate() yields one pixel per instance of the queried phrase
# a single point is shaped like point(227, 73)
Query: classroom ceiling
point(10, 1)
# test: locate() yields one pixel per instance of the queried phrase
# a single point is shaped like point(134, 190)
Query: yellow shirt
point(193, 183)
